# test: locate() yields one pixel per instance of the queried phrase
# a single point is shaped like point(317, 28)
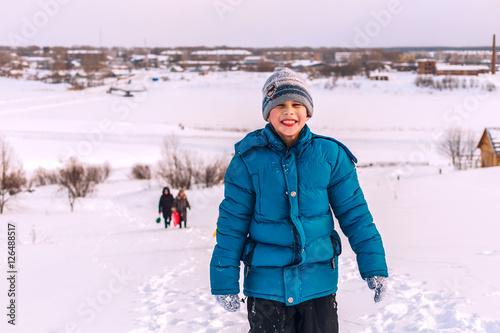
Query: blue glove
point(230, 303)
point(379, 284)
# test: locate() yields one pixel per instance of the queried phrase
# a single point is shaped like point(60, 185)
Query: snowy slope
point(46, 123)
point(108, 267)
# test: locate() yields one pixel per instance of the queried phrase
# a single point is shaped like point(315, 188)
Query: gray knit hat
point(282, 86)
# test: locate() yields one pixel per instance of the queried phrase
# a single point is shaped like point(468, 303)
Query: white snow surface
point(108, 267)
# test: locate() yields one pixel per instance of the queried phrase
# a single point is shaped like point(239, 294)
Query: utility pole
point(147, 54)
point(494, 57)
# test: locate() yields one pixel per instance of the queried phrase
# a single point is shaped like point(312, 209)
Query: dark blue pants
point(167, 220)
point(317, 315)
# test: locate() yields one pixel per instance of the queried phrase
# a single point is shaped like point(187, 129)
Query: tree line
point(175, 168)
point(76, 179)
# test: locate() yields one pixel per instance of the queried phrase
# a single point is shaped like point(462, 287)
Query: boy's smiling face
point(288, 119)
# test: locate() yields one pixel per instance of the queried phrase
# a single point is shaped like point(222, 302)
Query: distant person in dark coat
point(182, 204)
point(165, 205)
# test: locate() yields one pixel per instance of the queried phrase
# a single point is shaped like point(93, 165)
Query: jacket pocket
point(337, 247)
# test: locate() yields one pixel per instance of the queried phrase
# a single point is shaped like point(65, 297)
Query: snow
point(172, 52)
point(304, 63)
point(108, 267)
point(84, 52)
point(222, 52)
point(448, 67)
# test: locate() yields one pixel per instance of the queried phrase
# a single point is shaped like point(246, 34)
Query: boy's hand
point(379, 284)
point(230, 303)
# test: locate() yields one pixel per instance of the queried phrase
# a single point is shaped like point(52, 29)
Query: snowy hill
point(108, 267)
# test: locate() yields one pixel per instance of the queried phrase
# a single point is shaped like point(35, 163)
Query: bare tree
point(469, 153)
point(451, 146)
point(175, 168)
point(182, 170)
point(92, 63)
point(265, 66)
point(212, 172)
point(12, 178)
point(460, 147)
point(42, 177)
point(79, 180)
point(5, 59)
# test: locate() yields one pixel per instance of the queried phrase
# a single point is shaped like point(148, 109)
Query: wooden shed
point(490, 147)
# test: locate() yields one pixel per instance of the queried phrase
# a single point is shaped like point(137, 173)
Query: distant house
point(174, 55)
point(471, 57)
point(475, 70)
point(39, 62)
point(253, 60)
point(218, 56)
point(303, 64)
point(404, 66)
point(490, 147)
point(379, 76)
point(281, 58)
point(429, 66)
point(347, 57)
point(426, 66)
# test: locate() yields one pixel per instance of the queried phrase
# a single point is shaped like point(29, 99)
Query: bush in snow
point(80, 180)
point(451, 83)
point(98, 173)
point(12, 178)
point(212, 172)
point(42, 177)
point(141, 171)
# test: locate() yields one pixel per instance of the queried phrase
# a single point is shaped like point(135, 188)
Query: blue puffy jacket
point(276, 217)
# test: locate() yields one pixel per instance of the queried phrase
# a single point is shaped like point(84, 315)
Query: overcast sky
point(249, 23)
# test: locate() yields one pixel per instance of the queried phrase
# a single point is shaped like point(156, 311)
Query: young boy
point(280, 189)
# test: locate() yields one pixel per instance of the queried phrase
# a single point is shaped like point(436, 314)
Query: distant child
point(182, 204)
point(165, 205)
point(280, 190)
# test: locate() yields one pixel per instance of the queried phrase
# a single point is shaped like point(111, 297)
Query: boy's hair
point(282, 86)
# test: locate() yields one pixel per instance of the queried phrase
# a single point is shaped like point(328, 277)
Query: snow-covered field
point(108, 267)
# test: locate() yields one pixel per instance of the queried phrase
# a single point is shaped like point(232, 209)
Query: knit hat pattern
point(282, 86)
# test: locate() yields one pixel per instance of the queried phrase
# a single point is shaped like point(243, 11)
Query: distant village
point(83, 67)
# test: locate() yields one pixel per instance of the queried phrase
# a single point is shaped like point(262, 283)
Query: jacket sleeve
point(351, 210)
point(235, 214)
point(160, 207)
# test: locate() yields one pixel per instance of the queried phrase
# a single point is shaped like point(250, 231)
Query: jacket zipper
point(249, 262)
point(295, 237)
point(335, 254)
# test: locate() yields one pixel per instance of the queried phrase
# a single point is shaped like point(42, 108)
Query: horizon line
point(256, 47)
